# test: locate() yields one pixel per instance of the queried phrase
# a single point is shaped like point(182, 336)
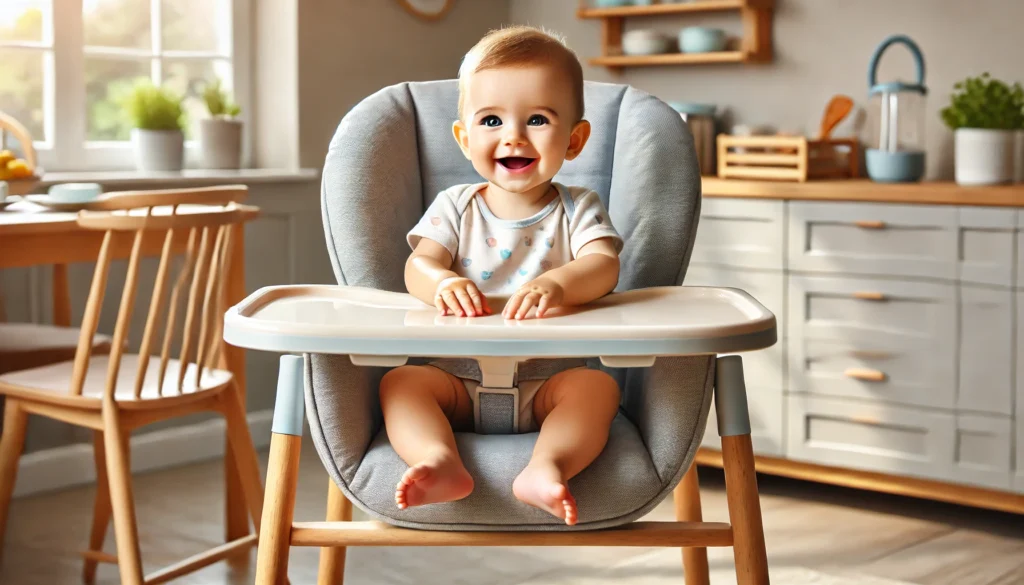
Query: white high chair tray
point(354, 320)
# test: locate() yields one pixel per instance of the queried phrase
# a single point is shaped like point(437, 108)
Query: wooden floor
point(811, 531)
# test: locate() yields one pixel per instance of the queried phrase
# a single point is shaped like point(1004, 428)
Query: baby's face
point(519, 125)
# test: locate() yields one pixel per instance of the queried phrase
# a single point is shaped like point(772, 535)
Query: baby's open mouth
point(516, 163)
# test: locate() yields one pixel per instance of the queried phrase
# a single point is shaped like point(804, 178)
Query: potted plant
point(986, 115)
point(158, 124)
point(220, 135)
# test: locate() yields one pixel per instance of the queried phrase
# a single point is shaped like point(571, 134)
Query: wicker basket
point(11, 127)
point(787, 158)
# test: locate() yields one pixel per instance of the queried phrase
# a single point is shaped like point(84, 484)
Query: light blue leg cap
point(731, 397)
point(289, 406)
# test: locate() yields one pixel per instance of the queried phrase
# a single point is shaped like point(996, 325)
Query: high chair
point(117, 393)
point(663, 343)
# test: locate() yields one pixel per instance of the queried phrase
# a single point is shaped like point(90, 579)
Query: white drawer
point(987, 245)
point(872, 311)
point(1019, 416)
point(986, 351)
point(983, 454)
point(764, 368)
point(870, 436)
point(876, 372)
point(766, 422)
point(1020, 248)
point(745, 233)
point(873, 238)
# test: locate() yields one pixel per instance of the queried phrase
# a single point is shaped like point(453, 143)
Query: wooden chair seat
point(30, 345)
point(51, 383)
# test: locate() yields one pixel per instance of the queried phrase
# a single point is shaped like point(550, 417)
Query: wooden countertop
point(932, 193)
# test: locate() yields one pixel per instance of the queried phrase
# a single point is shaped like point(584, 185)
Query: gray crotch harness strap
point(496, 398)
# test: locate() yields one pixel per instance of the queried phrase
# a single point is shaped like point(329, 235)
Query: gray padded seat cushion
point(389, 158)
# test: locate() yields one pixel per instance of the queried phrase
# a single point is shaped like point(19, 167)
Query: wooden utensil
point(838, 108)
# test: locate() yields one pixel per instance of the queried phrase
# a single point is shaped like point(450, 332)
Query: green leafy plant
point(983, 102)
point(149, 107)
point(218, 102)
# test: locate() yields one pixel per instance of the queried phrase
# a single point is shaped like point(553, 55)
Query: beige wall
point(349, 49)
point(822, 47)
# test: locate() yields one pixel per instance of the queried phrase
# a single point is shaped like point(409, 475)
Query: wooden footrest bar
point(99, 556)
point(648, 534)
point(196, 562)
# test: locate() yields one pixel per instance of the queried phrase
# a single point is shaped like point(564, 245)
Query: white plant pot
point(984, 156)
point(1018, 157)
point(220, 141)
point(158, 150)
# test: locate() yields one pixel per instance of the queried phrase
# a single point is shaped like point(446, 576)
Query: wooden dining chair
point(117, 393)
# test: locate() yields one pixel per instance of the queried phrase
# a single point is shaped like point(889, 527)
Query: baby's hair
point(522, 45)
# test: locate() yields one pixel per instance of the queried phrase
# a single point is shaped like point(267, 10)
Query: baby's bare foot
point(442, 479)
point(541, 486)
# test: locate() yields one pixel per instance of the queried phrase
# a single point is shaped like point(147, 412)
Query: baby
point(542, 244)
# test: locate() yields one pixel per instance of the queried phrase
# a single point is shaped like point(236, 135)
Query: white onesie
point(501, 255)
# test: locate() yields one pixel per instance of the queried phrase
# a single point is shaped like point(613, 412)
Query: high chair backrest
point(202, 221)
point(394, 152)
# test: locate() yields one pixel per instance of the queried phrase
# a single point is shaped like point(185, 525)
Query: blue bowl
point(699, 39)
point(75, 192)
point(612, 3)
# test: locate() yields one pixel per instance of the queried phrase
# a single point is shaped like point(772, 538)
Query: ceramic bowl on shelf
point(701, 39)
point(611, 3)
point(645, 42)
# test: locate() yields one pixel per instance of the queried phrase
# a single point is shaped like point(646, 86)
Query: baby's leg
point(421, 405)
point(574, 409)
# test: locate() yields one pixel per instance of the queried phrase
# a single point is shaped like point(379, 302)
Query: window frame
point(64, 97)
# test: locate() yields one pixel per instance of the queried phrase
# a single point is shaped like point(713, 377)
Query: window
point(63, 64)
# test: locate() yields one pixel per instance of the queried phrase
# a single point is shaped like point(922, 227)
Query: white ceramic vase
point(1018, 157)
point(220, 141)
point(158, 150)
point(984, 156)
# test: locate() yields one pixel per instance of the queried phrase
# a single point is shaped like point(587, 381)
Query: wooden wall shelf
point(669, 59)
point(755, 46)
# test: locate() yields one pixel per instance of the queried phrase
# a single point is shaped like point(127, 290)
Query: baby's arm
point(591, 275)
point(427, 268)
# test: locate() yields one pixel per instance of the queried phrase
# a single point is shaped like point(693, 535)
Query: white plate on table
point(4, 202)
point(49, 202)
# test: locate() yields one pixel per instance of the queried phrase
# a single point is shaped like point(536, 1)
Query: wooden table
point(31, 235)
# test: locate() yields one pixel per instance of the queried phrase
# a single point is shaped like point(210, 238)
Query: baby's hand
point(460, 296)
point(542, 292)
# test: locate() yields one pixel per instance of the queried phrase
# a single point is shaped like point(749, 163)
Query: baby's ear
point(461, 136)
point(578, 139)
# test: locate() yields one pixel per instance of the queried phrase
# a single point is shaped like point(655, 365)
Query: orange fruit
point(19, 169)
point(6, 156)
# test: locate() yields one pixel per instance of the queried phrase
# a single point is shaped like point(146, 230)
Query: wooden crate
point(787, 158)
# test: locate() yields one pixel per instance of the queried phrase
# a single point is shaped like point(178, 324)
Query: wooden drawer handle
point(865, 374)
point(869, 295)
point(874, 224)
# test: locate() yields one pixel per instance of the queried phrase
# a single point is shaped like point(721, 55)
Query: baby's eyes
point(537, 120)
point(491, 121)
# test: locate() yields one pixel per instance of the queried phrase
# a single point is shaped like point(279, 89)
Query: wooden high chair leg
point(115, 440)
point(282, 475)
point(687, 502)
point(101, 509)
point(740, 478)
point(11, 444)
point(332, 559)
